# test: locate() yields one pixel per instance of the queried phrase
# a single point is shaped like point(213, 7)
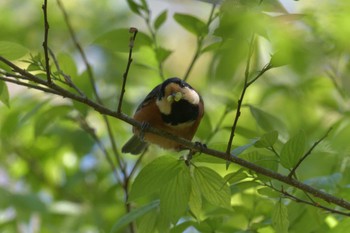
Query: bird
point(173, 106)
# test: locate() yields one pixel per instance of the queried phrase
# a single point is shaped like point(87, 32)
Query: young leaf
point(191, 24)
point(280, 218)
point(174, 195)
point(12, 51)
point(133, 215)
point(159, 21)
point(240, 149)
point(267, 140)
point(4, 94)
point(155, 175)
point(212, 186)
point(293, 150)
point(265, 120)
point(162, 54)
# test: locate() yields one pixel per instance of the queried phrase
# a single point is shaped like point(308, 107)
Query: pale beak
point(175, 97)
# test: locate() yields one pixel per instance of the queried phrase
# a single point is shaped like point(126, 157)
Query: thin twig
point(240, 100)
point(292, 172)
point(200, 40)
point(46, 37)
point(187, 144)
point(125, 75)
point(311, 202)
point(91, 131)
point(67, 78)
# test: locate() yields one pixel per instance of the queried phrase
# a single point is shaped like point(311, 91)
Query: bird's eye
point(182, 84)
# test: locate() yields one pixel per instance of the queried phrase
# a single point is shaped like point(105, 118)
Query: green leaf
point(293, 150)
point(212, 186)
point(268, 192)
point(133, 215)
point(174, 195)
point(280, 218)
point(240, 149)
point(118, 40)
point(148, 223)
point(159, 21)
point(236, 176)
point(154, 176)
point(4, 94)
point(267, 140)
point(195, 202)
point(134, 7)
point(162, 54)
point(265, 120)
point(191, 24)
point(49, 117)
point(12, 51)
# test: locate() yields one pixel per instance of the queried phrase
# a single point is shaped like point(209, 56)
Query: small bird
point(173, 106)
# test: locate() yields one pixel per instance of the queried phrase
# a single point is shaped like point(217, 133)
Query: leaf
point(4, 94)
point(240, 149)
point(265, 120)
point(162, 54)
point(268, 192)
point(133, 215)
point(236, 176)
point(195, 202)
point(148, 223)
point(293, 150)
point(267, 140)
point(154, 176)
point(118, 40)
point(174, 195)
point(12, 51)
point(134, 7)
point(159, 21)
point(279, 59)
point(280, 218)
point(212, 186)
point(49, 117)
point(191, 24)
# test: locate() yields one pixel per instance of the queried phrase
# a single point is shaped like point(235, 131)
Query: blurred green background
point(55, 178)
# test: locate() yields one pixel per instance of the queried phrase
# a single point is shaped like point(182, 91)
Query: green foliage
point(54, 173)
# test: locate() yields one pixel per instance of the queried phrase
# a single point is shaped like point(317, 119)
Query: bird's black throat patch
point(181, 112)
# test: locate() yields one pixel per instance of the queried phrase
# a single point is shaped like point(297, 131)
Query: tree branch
point(57, 90)
point(46, 36)
point(125, 75)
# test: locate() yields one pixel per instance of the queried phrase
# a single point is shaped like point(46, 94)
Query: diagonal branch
point(193, 146)
point(247, 83)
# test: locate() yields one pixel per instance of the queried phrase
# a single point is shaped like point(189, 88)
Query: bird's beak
point(176, 96)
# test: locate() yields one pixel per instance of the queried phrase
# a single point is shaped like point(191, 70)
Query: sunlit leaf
point(159, 21)
point(195, 201)
point(162, 54)
point(191, 24)
point(154, 176)
point(174, 195)
point(11, 50)
point(212, 186)
point(293, 150)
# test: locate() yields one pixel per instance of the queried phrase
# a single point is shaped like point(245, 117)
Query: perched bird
point(173, 106)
